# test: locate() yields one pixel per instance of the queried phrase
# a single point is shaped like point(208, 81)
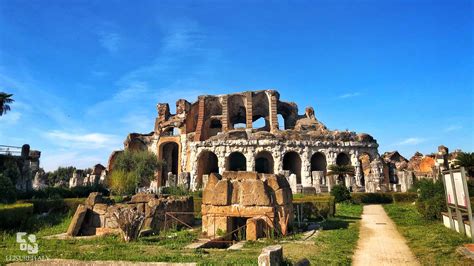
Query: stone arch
point(207, 163)
point(343, 159)
point(318, 162)
point(236, 109)
point(261, 111)
point(236, 161)
point(264, 162)
point(211, 128)
point(169, 154)
point(292, 163)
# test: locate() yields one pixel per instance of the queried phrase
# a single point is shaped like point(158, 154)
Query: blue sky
point(86, 73)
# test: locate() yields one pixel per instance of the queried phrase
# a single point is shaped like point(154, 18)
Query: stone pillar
point(248, 109)
point(273, 111)
point(200, 122)
point(225, 114)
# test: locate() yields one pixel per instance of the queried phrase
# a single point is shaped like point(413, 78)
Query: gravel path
point(379, 241)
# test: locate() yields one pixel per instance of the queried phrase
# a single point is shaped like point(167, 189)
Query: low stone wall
point(97, 217)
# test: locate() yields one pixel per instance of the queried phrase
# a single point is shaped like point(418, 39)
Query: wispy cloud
point(110, 41)
point(411, 141)
point(83, 141)
point(349, 95)
point(51, 160)
point(452, 128)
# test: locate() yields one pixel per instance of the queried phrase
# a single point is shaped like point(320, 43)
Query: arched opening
point(207, 164)
point(364, 161)
point(169, 155)
point(292, 163)
point(343, 159)
point(318, 162)
point(212, 127)
point(281, 122)
point(237, 112)
point(261, 124)
point(236, 162)
point(264, 163)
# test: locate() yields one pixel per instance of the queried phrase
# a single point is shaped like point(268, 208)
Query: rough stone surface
point(271, 256)
point(77, 219)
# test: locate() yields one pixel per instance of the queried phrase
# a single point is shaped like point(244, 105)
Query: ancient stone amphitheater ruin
point(255, 131)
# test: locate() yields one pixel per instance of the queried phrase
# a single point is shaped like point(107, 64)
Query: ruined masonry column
point(248, 109)
point(273, 111)
point(200, 122)
point(221, 162)
point(306, 179)
point(225, 114)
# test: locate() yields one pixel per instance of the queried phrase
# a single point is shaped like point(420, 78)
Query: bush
point(133, 169)
point(431, 198)
point(7, 190)
point(404, 197)
point(60, 193)
point(371, 198)
point(122, 183)
point(14, 215)
point(317, 206)
point(340, 193)
point(55, 205)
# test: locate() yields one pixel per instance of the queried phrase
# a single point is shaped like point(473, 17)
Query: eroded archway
point(169, 155)
point(236, 161)
point(207, 164)
point(264, 162)
point(292, 163)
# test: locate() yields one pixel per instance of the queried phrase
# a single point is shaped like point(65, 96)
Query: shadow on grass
point(347, 217)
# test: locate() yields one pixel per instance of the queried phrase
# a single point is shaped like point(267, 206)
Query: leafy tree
point(431, 198)
point(10, 169)
point(133, 169)
point(7, 190)
point(5, 100)
point(466, 160)
point(60, 174)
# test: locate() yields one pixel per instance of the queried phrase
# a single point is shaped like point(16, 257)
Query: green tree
point(60, 174)
point(7, 190)
point(340, 193)
point(132, 170)
point(5, 100)
point(466, 160)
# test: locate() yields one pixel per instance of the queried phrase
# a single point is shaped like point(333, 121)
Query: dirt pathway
point(379, 241)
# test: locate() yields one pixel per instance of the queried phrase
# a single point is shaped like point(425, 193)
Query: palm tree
point(340, 171)
point(5, 99)
point(466, 160)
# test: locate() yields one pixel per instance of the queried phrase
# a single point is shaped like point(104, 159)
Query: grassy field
point(430, 241)
point(334, 245)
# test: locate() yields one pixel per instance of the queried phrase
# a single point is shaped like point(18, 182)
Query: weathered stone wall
point(96, 216)
point(265, 200)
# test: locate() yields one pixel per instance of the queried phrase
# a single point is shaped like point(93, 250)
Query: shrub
point(7, 190)
point(59, 193)
point(317, 206)
point(431, 198)
point(340, 193)
point(404, 197)
point(371, 198)
point(14, 215)
point(122, 183)
point(133, 169)
point(175, 191)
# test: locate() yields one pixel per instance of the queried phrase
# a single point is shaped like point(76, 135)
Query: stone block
point(254, 229)
point(94, 198)
point(236, 190)
point(77, 219)
point(283, 196)
point(143, 198)
point(253, 193)
point(100, 208)
point(222, 193)
point(270, 256)
point(276, 182)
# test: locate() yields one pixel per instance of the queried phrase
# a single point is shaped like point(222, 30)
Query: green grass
point(334, 245)
point(431, 242)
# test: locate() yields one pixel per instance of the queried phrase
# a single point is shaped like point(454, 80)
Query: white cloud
point(10, 118)
point(83, 141)
point(51, 160)
point(110, 41)
point(452, 128)
point(349, 95)
point(412, 141)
